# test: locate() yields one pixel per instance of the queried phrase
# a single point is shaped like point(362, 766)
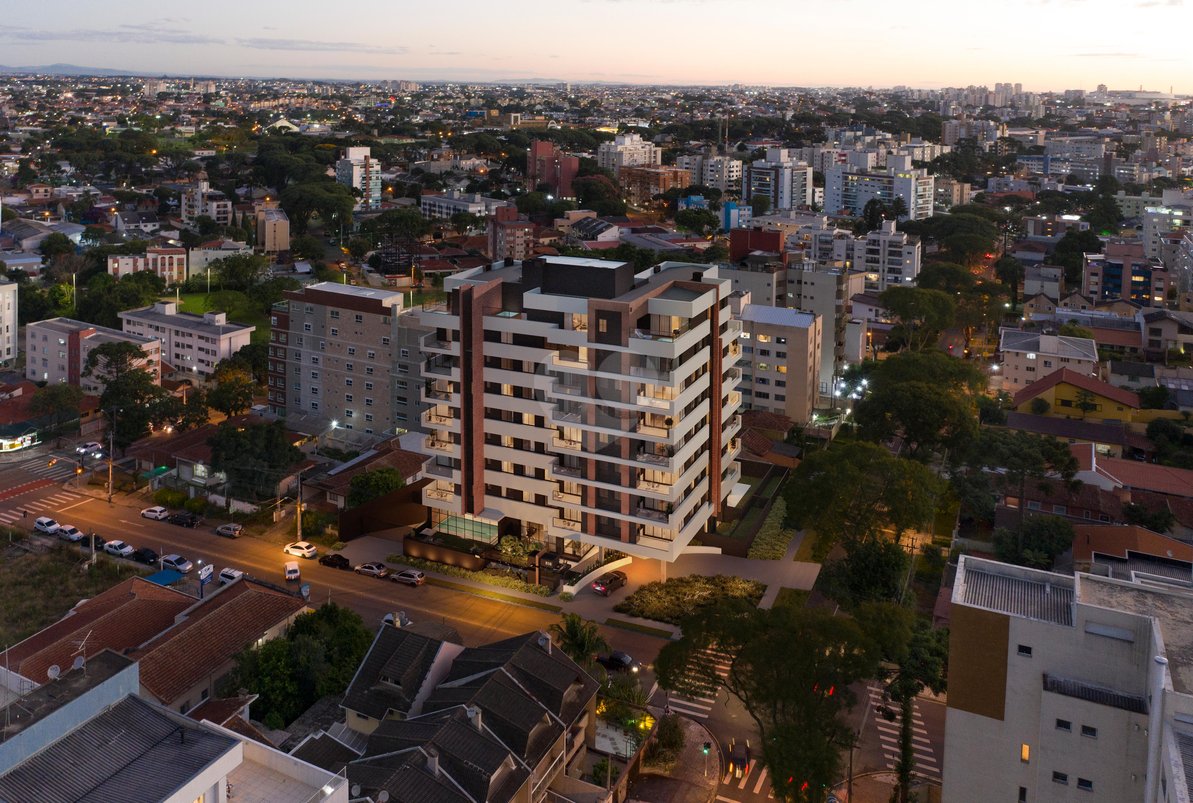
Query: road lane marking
point(76, 504)
point(761, 780)
point(724, 799)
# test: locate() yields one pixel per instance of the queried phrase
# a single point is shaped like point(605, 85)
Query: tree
point(1085, 401)
point(798, 699)
point(105, 297)
point(852, 491)
point(1070, 251)
point(402, 224)
point(922, 314)
point(239, 271)
point(134, 401)
point(194, 412)
point(254, 458)
point(871, 571)
point(948, 277)
point(1037, 544)
point(896, 209)
point(759, 205)
point(307, 246)
point(967, 249)
point(599, 194)
point(1158, 520)
point(699, 221)
point(1022, 458)
point(326, 198)
point(369, 485)
point(59, 403)
point(924, 416)
point(254, 358)
point(1154, 397)
point(233, 391)
point(358, 247)
point(1071, 329)
point(1010, 272)
point(579, 639)
point(56, 244)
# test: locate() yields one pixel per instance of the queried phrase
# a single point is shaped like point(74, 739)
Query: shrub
point(772, 539)
point(195, 505)
point(168, 497)
point(603, 771)
point(499, 580)
point(672, 600)
point(670, 734)
point(566, 596)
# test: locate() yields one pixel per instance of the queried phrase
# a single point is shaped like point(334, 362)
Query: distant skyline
point(1043, 44)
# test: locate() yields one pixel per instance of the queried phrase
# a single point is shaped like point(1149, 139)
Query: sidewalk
point(694, 776)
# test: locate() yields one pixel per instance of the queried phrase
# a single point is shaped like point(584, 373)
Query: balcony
point(445, 369)
point(566, 417)
point(441, 494)
point(442, 445)
point(433, 469)
point(652, 514)
point(654, 401)
point(567, 524)
point(652, 430)
point(654, 458)
point(564, 443)
point(560, 470)
point(566, 498)
point(661, 488)
point(431, 343)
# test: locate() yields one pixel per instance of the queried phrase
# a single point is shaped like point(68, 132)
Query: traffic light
point(707, 747)
point(53, 460)
point(78, 469)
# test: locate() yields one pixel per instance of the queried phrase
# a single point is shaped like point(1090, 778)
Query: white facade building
point(449, 203)
point(719, 172)
point(888, 257)
point(358, 170)
point(849, 191)
point(201, 200)
point(190, 342)
point(1028, 356)
point(8, 321)
point(628, 150)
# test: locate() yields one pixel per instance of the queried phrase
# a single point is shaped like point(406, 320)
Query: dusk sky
point(1043, 44)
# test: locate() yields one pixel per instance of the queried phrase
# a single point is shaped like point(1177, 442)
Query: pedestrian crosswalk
point(926, 765)
point(752, 782)
point(699, 704)
point(14, 510)
point(61, 470)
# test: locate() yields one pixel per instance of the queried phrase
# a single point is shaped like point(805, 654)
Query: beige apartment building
point(190, 342)
point(582, 405)
point(780, 361)
point(56, 351)
point(332, 355)
point(1070, 687)
point(1028, 356)
point(273, 230)
point(168, 263)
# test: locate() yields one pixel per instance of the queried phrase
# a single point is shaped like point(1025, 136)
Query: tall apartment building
point(509, 234)
point(849, 191)
point(190, 342)
point(168, 263)
point(719, 172)
point(628, 150)
point(641, 184)
point(358, 170)
point(200, 200)
point(273, 231)
point(8, 321)
point(786, 182)
point(547, 164)
point(780, 364)
point(825, 289)
point(1124, 271)
point(888, 257)
point(1028, 356)
point(1070, 687)
point(1162, 220)
point(57, 349)
point(331, 355)
point(982, 131)
point(582, 405)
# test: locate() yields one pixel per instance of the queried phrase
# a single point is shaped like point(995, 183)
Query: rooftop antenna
point(53, 672)
point(80, 653)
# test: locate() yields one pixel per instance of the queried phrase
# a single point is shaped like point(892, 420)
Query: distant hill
point(64, 69)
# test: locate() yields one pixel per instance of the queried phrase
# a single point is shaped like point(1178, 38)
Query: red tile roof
point(210, 635)
point(1117, 539)
point(220, 709)
point(125, 616)
point(1077, 380)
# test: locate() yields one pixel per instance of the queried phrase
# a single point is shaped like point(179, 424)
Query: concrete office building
point(780, 364)
point(57, 350)
point(359, 171)
point(888, 257)
point(849, 191)
point(628, 150)
point(331, 355)
point(445, 205)
point(9, 321)
point(583, 405)
point(190, 342)
point(1070, 687)
point(273, 230)
point(780, 178)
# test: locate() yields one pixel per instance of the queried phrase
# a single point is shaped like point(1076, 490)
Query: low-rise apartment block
point(57, 350)
point(1028, 356)
point(628, 150)
point(449, 203)
point(168, 263)
point(273, 231)
point(190, 342)
point(1124, 271)
point(580, 404)
point(332, 356)
point(200, 200)
point(641, 184)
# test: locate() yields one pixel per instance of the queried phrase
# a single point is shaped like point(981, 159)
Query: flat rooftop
point(185, 320)
point(1015, 591)
point(69, 686)
point(356, 291)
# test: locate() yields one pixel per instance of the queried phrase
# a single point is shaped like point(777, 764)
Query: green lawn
point(233, 302)
point(795, 597)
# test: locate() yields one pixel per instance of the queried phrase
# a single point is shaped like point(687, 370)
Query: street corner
point(689, 775)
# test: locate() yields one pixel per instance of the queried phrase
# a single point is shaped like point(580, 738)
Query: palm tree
point(579, 639)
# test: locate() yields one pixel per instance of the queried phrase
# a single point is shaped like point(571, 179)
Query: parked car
point(372, 570)
point(411, 577)
point(145, 555)
point(230, 530)
point(739, 758)
point(157, 513)
point(118, 548)
point(177, 563)
point(290, 570)
point(301, 549)
point(100, 541)
point(90, 447)
point(228, 574)
point(609, 582)
point(336, 561)
point(618, 661)
point(69, 532)
point(44, 524)
point(185, 519)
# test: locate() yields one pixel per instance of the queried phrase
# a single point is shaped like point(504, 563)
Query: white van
point(290, 568)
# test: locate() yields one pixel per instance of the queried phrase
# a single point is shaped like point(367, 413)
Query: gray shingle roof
point(131, 751)
point(391, 673)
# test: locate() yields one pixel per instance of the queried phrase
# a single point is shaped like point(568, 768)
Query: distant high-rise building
point(628, 150)
point(358, 170)
point(783, 180)
point(849, 191)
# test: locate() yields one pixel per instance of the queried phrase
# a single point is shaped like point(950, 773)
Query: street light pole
point(111, 447)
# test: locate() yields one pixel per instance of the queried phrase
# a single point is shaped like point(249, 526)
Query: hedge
point(168, 497)
point(499, 580)
point(773, 538)
point(671, 600)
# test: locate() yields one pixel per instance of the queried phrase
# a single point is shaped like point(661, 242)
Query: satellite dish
point(79, 662)
point(54, 671)
point(355, 790)
point(383, 796)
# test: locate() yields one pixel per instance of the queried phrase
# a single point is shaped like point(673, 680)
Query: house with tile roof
point(1028, 356)
point(1073, 394)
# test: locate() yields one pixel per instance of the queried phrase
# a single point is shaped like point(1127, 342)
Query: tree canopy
point(369, 485)
point(254, 458)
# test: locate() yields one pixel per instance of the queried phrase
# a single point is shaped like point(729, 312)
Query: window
point(369, 370)
point(385, 341)
point(1023, 794)
point(351, 351)
point(348, 383)
point(370, 354)
point(780, 397)
point(306, 327)
point(335, 332)
point(368, 385)
point(368, 402)
point(349, 366)
point(401, 417)
point(335, 314)
point(403, 369)
point(763, 352)
point(1085, 784)
point(405, 353)
point(1025, 752)
point(314, 405)
point(348, 413)
point(1089, 731)
point(368, 417)
point(1025, 650)
point(402, 384)
point(359, 318)
point(314, 359)
point(314, 374)
point(602, 325)
point(1060, 778)
point(348, 398)
point(1064, 725)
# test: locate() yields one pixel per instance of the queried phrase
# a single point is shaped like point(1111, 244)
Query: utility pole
point(111, 448)
point(298, 507)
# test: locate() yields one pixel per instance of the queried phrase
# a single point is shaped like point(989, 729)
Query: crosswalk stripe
point(724, 799)
point(745, 776)
point(761, 780)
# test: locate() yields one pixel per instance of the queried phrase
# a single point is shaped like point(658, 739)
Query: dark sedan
point(336, 561)
point(609, 582)
point(191, 520)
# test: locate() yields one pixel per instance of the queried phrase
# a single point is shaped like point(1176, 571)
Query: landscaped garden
point(671, 600)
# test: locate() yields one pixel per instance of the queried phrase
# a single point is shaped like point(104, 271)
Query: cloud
point(312, 45)
point(1104, 55)
point(145, 34)
point(1159, 3)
